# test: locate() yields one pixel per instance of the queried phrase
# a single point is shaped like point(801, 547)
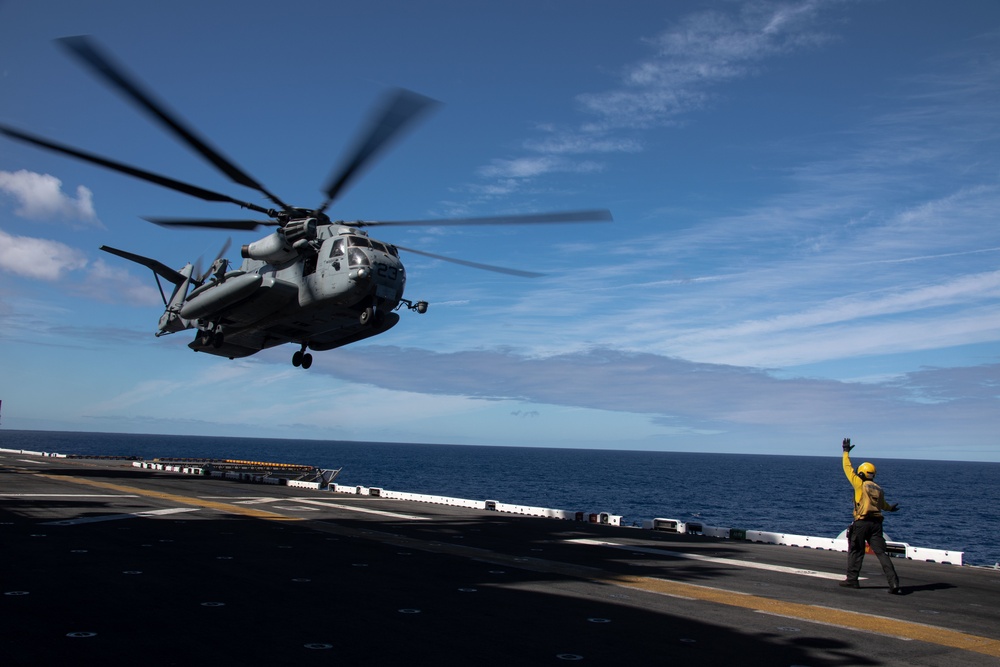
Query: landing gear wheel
point(297, 359)
point(307, 360)
point(366, 315)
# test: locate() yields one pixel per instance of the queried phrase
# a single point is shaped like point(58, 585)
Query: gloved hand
point(894, 507)
point(847, 445)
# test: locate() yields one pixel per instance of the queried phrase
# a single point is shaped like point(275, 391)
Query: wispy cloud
point(805, 277)
point(677, 392)
point(113, 284)
point(568, 142)
point(529, 167)
point(687, 63)
point(704, 50)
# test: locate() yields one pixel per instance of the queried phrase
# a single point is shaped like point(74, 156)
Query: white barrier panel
point(438, 500)
point(535, 511)
point(804, 541)
point(664, 525)
point(795, 540)
point(23, 451)
point(28, 452)
point(603, 518)
point(303, 485)
point(600, 517)
point(936, 555)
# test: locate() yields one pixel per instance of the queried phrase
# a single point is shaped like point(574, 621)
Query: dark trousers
point(867, 530)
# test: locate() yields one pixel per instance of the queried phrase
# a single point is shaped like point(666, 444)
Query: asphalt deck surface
point(103, 563)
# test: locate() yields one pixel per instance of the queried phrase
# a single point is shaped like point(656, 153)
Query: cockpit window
point(338, 248)
point(357, 257)
point(360, 242)
point(380, 247)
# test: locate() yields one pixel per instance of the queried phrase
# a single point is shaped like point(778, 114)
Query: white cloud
point(38, 258)
point(40, 197)
point(113, 284)
point(803, 278)
point(187, 390)
point(674, 391)
point(577, 143)
point(530, 167)
point(960, 290)
point(702, 50)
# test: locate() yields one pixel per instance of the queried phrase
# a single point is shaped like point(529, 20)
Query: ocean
point(943, 504)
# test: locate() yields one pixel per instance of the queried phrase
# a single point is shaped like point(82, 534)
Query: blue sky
point(805, 242)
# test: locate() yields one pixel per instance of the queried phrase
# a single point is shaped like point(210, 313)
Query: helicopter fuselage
point(339, 287)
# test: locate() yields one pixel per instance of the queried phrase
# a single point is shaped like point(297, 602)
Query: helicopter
point(314, 282)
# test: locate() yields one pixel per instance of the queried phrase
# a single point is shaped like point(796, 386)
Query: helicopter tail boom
point(170, 321)
point(159, 268)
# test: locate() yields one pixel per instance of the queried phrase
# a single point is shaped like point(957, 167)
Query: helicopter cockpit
point(352, 246)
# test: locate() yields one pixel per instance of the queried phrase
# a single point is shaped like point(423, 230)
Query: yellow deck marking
point(805, 612)
point(174, 498)
point(826, 615)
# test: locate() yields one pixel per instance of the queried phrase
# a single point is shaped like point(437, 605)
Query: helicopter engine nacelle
point(272, 248)
point(285, 244)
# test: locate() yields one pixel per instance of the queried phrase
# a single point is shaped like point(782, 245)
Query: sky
point(804, 247)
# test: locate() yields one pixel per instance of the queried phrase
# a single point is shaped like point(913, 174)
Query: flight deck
point(104, 562)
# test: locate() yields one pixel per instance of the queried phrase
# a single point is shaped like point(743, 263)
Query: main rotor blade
point(475, 265)
point(591, 215)
point(101, 63)
point(164, 181)
point(399, 111)
point(238, 225)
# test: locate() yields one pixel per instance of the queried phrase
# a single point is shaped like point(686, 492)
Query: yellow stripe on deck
point(826, 615)
point(174, 498)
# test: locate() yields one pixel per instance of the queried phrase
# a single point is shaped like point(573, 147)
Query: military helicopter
point(313, 281)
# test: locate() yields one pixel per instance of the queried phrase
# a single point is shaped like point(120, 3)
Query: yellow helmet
point(867, 470)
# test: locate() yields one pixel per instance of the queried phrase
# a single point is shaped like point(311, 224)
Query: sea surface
point(943, 504)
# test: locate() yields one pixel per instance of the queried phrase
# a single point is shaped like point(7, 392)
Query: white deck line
point(115, 517)
point(712, 559)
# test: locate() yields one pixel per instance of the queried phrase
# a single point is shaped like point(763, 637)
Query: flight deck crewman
point(869, 501)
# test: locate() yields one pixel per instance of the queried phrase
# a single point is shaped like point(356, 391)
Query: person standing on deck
point(869, 501)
